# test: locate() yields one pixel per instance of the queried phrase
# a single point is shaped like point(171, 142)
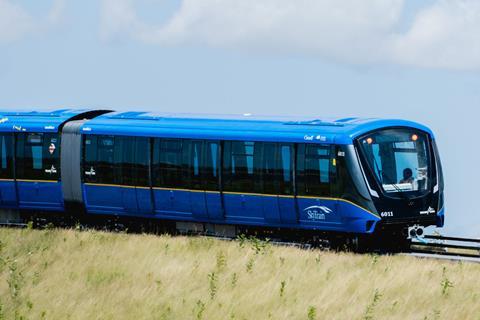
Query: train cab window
point(38, 156)
point(6, 152)
point(168, 163)
point(314, 170)
point(399, 159)
point(238, 171)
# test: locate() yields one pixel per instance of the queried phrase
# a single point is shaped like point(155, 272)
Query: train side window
point(239, 160)
point(211, 168)
point(6, 151)
point(38, 156)
point(168, 165)
point(313, 170)
point(116, 160)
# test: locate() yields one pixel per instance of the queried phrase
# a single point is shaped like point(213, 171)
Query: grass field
point(65, 274)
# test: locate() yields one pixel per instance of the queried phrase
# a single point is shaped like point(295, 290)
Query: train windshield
point(400, 159)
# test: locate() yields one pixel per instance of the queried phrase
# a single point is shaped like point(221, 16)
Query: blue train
point(346, 176)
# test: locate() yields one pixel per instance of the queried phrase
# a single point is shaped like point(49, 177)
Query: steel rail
point(434, 256)
point(446, 245)
point(433, 237)
point(445, 253)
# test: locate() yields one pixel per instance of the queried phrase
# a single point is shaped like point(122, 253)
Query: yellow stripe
point(109, 185)
point(47, 181)
point(186, 190)
point(8, 180)
point(250, 194)
point(238, 193)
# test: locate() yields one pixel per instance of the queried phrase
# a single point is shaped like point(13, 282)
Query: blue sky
point(382, 58)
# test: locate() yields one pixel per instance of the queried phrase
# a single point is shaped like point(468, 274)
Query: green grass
point(65, 274)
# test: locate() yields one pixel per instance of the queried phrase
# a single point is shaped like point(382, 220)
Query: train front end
point(403, 172)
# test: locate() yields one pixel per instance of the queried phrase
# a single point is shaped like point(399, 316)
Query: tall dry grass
point(64, 274)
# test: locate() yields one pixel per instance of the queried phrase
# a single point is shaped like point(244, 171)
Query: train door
point(316, 172)
point(242, 197)
point(171, 191)
point(8, 193)
point(38, 171)
point(103, 191)
point(124, 169)
point(268, 167)
point(195, 175)
point(211, 178)
point(286, 193)
point(132, 157)
point(142, 175)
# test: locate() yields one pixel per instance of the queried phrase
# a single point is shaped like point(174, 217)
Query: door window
point(211, 169)
point(314, 170)
point(239, 170)
point(168, 163)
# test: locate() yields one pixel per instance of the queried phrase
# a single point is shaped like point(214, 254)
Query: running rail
point(447, 246)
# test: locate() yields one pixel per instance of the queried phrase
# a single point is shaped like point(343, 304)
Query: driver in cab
point(407, 176)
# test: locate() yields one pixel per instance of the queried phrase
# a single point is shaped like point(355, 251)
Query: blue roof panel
point(241, 127)
point(36, 121)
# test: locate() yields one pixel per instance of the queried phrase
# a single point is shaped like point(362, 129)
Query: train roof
point(241, 127)
point(41, 121)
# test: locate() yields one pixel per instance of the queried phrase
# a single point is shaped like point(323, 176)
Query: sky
point(416, 60)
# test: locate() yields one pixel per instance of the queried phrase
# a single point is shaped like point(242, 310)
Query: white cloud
point(16, 22)
point(445, 34)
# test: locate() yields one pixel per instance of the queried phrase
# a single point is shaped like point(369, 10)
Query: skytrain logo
point(317, 212)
